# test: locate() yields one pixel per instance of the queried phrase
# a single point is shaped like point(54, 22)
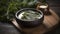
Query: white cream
point(21, 15)
point(43, 6)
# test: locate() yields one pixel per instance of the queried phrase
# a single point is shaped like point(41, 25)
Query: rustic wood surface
point(49, 22)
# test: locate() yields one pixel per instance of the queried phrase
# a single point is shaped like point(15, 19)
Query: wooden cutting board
point(49, 22)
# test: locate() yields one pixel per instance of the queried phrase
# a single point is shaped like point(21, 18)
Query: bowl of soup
point(29, 17)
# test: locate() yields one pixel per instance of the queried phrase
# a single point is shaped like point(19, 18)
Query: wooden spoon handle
point(16, 24)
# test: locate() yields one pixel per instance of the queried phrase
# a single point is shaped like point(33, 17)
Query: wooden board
point(48, 23)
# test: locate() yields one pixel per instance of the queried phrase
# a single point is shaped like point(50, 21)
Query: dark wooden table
point(6, 28)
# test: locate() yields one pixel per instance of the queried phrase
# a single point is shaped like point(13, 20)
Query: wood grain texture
point(51, 20)
point(48, 23)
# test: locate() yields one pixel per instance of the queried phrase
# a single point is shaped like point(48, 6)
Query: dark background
point(6, 28)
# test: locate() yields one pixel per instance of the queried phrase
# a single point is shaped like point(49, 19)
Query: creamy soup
point(29, 15)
